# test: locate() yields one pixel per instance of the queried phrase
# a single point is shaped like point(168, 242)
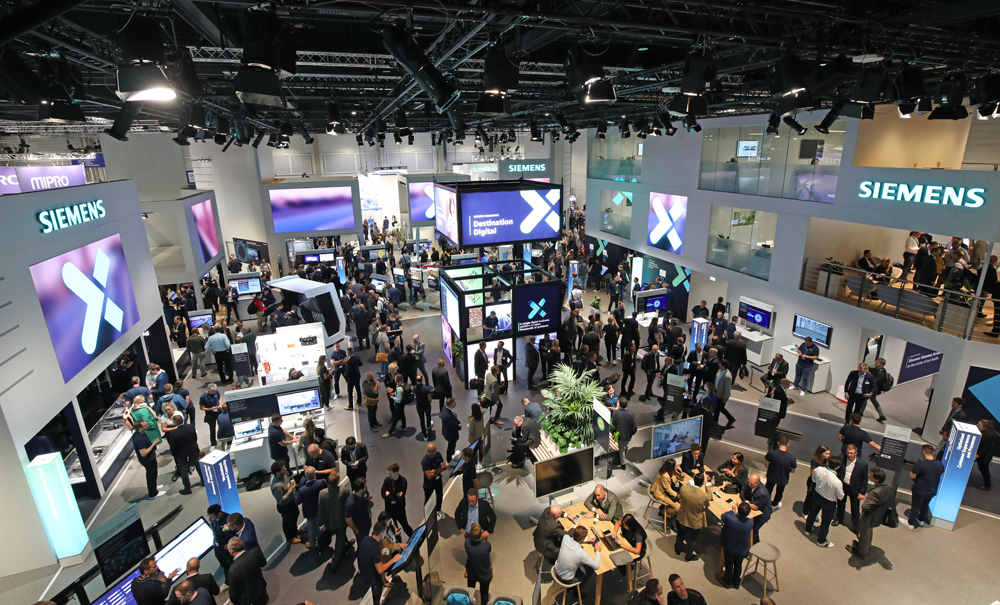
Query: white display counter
point(819, 380)
point(759, 347)
point(287, 348)
point(251, 456)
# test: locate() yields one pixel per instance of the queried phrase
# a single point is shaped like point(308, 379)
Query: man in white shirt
point(576, 296)
point(573, 562)
point(829, 489)
point(910, 250)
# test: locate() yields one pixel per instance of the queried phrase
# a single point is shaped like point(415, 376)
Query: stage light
point(220, 138)
point(554, 134)
point(123, 120)
point(581, 68)
point(698, 69)
point(267, 44)
point(683, 105)
point(257, 85)
point(824, 126)
point(536, 133)
point(690, 122)
point(227, 142)
point(799, 128)
point(380, 126)
point(360, 140)
point(402, 124)
point(409, 139)
point(511, 135)
point(668, 127)
point(623, 128)
point(906, 109)
point(305, 134)
point(480, 134)
point(832, 75)
point(404, 49)
point(433, 139)
point(183, 134)
point(140, 76)
point(869, 89)
point(398, 139)
point(600, 91)
point(601, 130)
point(333, 116)
point(257, 139)
point(272, 139)
point(335, 129)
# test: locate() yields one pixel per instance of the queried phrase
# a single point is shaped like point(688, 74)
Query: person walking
point(442, 383)
point(196, 351)
point(780, 465)
point(433, 466)
point(723, 391)
point(478, 567)
point(218, 344)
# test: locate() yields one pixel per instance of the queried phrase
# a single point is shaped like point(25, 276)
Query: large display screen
point(192, 543)
point(667, 219)
point(245, 286)
point(502, 217)
point(252, 408)
point(197, 321)
point(446, 339)
point(536, 308)
point(312, 209)
point(122, 551)
point(310, 258)
point(564, 472)
point(819, 332)
point(651, 304)
point(450, 308)
point(755, 315)
point(676, 437)
point(87, 301)
point(491, 347)
point(411, 547)
point(446, 213)
point(296, 403)
point(204, 224)
point(421, 202)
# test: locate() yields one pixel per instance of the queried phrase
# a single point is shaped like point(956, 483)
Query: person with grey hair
point(247, 585)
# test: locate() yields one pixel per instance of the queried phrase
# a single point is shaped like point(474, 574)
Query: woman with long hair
point(819, 458)
point(630, 529)
point(324, 374)
point(628, 369)
point(665, 491)
point(734, 470)
point(653, 333)
point(308, 437)
point(476, 429)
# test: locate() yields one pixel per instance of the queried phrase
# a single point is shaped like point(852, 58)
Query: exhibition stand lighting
point(401, 45)
point(141, 77)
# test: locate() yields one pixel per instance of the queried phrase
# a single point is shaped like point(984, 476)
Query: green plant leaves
point(570, 402)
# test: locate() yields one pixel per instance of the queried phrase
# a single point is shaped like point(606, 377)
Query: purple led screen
point(87, 300)
point(312, 209)
point(204, 223)
point(421, 201)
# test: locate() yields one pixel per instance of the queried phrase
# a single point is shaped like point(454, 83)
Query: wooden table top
point(722, 502)
point(599, 526)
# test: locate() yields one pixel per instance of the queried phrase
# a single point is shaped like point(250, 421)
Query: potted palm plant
point(569, 418)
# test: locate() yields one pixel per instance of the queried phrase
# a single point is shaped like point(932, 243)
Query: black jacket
point(780, 368)
point(201, 580)
point(481, 363)
point(183, 441)
point(689, 462)
point(450, 424)
point(529, 433)
point(361, 458)
point(624, 421)
point(694, 598)
point(147, 591)
point(487, 518)
point(442, 381)
point(247, 585)
point(548, 536)
point(531, 356)
point(857, 483)
point(392, 488)
point(736, 353)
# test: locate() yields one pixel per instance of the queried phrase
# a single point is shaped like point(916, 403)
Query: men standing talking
point(859, 388)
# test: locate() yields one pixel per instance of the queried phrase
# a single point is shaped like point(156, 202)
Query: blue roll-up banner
point(699, 332)
point(958, 457)
point(341, 270)
point(220, 481)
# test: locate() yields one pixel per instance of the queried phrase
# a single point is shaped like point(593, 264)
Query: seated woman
point(734, 472)
point(632, 532)
point(665, 491)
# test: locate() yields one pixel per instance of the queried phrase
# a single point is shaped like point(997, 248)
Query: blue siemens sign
point(972, 197)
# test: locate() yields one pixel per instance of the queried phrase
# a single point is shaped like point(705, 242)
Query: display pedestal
point(759, 347)
point(819, 379)
point(76, 559)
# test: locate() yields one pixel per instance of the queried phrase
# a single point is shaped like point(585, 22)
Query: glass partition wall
point(615, 158)
point(742, 240)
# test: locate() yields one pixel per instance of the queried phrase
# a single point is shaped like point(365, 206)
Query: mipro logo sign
point(91, 293)
point(536, 309)
point(542, 209)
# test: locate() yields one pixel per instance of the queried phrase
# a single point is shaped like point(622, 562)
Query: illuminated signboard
point(57, 505)
point(68, 216)
point(972, 197)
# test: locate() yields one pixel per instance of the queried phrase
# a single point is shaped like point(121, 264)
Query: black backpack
point(407, 395)
point(889, 382)
point(251, 309)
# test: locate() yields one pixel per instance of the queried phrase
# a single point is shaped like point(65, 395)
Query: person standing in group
point(859, 388)
point(333, 516)
point(682, 595)
point(209, 402)
point(737, 526)
point(307, 496)
point(338, 366)
point(371, 565)
point(354, 455)
point(625, 423)
point(808, 354)
point(989, 446)
point(283, 489)
point(854, 475)
point(532, 359)
point(394, 495)
point(491, 394)
point(218, 344)
point(910, 249)
point(278, 440)
point(423, 395)
point(152, 587)
point(819, 458)
point(433, 466)
point(450, 427)
point(828, 489)
point(759, 499)
point(628, 368)
point(442, 383)
point(873, 512)
point(651, 366)
point(478, 567)
point(196, 350)
point(477, 431)
point(197, 580)
point(183, 439)
point(481, 365)
point(324, 374)
point(926, 476)
point(694, 500)
point(247, 585)
point(780, 465)
point(358, 509)
point(852, 434)
point(369, 390)
point(420, 353)
point(145, 452)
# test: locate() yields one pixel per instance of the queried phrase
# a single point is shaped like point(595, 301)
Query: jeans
point(198, 361)
point(920, 505)
point(733, 568)
point(776, 491)
point(312, 531)
point(721, 409)
point(878, 408)
point(855, 403)
point(398, 417)
point(827, 507)
point(211, 422)
point(802, 376)
point(983, 462)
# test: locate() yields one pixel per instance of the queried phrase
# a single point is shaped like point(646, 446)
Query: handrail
point(873, 275)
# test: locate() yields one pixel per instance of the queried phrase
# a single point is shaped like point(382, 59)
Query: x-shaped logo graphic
point(429, 192)
point(541, 208)
point(665, 223)
point(82, 286)
point(536, 308)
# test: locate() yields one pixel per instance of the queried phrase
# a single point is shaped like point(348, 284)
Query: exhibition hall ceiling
point(235, 69)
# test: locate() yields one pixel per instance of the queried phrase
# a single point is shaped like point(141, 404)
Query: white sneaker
point(223, 587)
point(160, 487)
point(335, 396)
point(779, 504)
point(802, 393)
point(907, 525)
point(162, 492)
point(827, 544)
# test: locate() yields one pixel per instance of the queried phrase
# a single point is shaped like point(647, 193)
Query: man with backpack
point(883, 382)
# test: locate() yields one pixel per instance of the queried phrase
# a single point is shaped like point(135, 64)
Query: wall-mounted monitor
point(312, 209)
point(756, 313)
point(327, 257)
point(564, 472)
point(676, 437)
point(310, 258)
point(198, 319)
point(747, 149)
point(251, 428)
point(652, 301)
point(245, 285)
point(818, 331)
point(296, 403)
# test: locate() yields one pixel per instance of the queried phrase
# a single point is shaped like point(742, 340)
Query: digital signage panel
point(421, 202)
point(446, 213)
point(536, 308)
point(40, 178)
point(667, 219)
point(499, 217)
point(204, 224)
point(312, 209)
point(450, 308)
point(87, 301)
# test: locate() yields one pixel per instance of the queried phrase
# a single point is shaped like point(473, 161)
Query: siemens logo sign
point(526, 168)
point(67, 216)
point(928, 194)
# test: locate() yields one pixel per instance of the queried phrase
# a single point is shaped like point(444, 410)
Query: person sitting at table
point(665, 491)
point(549, 533)
point(634, 534)
point(573, 562)
point(695, 500)
point(760, 500)
point(693, 459)
point(604, 505)
point(734, 472)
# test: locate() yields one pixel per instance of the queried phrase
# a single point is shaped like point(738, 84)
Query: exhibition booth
point(83, 316)
point(184, 238)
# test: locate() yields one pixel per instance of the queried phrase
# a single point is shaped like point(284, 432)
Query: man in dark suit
point(480, 364)
point(247, 585)
point(187, 593)
point(183, 442)
point(778, 390)
point(776, 370)
point(854, 474)
point(198, 580)
point(873, 511)
point(736, 354)
point(549, 533)
point(859, 387)
point(650, 364)
point(354, 455)
point(736, 530)
point(450, 426)
point(693, 459)
point(704, 409)
point(760, 499)
point(217, 519)
point(471, 502)
point(442, 384)
point(333, 520)
point(532, 359)
point(625, 424)
point(243, 528)
point(527, 435)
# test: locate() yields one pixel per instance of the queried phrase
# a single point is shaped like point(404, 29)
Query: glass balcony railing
point(937, 308)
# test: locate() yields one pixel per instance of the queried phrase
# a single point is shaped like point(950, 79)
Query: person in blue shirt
point(808, 354)
point(136, 390)
point(218, 343)
point(308, 498)
point(185, 394)
point(278, 440)
point(370, 565)
point(209, 402)
point(736, 529)
point(169, 396)
point(719, 325)
point(926, 476)
point(226, 431)
point(394, 294)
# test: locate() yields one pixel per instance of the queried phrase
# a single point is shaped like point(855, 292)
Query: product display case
point(108, 437)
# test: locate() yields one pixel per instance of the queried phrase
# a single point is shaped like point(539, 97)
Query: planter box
point(821, 287)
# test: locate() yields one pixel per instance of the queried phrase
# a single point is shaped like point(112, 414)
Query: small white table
point(250, 456)
point(819, 380)
point(759, 347)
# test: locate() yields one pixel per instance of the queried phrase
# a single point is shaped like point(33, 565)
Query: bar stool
point(653, 504)
point(642, 568)
point(486, 485)
point(763, 552)
point(561, 587)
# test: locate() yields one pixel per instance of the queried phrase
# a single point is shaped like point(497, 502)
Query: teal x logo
point(621, 196)
point(536, 308)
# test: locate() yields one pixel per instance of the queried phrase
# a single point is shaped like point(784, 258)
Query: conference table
point(606, 563)
point(721, 504)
